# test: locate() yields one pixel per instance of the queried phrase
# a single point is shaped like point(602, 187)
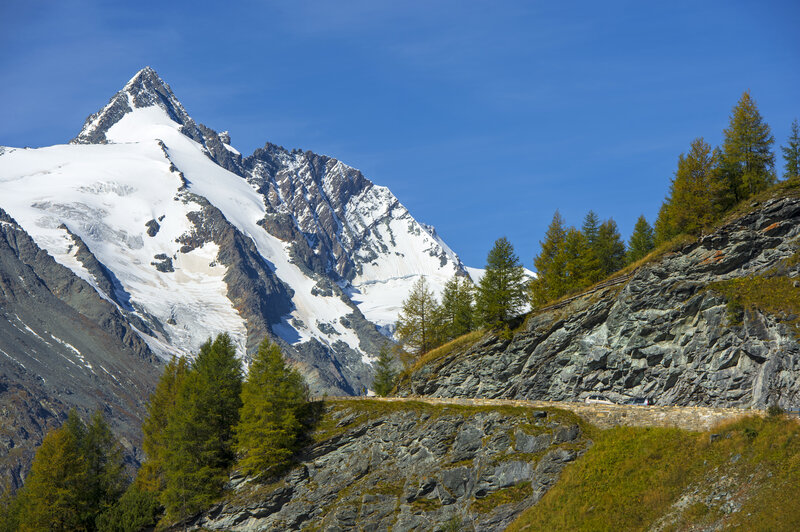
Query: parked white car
point(599, 399)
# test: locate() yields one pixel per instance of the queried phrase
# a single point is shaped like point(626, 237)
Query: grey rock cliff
point(662, 334)
point(336, 219)
point(410, 467)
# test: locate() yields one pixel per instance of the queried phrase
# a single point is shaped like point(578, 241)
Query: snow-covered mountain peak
point(166, 220)
point(151, 100)
point(144, 90)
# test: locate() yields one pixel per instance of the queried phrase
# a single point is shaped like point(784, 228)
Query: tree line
point(707, 183)
point(710, 181)
point(425, 323)
point(203, 419)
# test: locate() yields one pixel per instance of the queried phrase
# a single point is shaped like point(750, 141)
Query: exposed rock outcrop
point(665, 334)
point(411, 466)
point(62, 346)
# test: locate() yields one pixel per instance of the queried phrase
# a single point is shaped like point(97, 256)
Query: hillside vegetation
point(744, 476)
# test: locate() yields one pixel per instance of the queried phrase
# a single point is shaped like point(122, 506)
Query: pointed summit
point(145, 89)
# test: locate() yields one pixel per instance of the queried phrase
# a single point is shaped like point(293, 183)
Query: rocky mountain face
point(378, 466)
point(665, 333)
point(62, 346)
point(164, 218)
point(149, 233)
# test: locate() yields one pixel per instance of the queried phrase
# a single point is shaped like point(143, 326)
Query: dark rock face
point(255, 291)
point(662, 335)
point(418, 469)
point(327, 210)
point(145, 90)
point(62, 346)
point(262, 299)
point(312, 190)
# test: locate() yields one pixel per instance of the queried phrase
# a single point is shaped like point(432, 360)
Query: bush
point(135, 510)
point(774, 410)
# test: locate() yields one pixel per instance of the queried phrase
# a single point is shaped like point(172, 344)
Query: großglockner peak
point(188, 238)
point(145, 89)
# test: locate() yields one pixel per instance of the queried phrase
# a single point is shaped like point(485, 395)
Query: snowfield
point(106, 194)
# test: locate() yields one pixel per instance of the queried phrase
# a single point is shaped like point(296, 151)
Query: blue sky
point(482, 117)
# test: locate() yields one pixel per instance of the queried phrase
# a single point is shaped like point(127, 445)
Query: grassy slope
point(632, 477)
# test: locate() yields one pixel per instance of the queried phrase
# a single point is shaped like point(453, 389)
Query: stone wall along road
point(695, 418)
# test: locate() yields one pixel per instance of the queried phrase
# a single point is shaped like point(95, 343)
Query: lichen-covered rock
point(663, 334)
point(411, 466)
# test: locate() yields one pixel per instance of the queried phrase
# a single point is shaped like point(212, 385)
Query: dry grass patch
point(774, 295)
point(632, 477)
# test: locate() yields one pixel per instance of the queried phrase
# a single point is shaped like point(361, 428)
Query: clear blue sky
point(483, 117)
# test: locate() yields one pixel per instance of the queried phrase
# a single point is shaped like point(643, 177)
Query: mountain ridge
point(154, 226)
point(329, 237)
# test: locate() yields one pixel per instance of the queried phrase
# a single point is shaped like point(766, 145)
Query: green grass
point(632, 476)
point(774, 295)
point(509, 495)
point(441, 352)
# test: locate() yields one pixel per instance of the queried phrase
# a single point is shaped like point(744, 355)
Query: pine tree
point(53, 497)
point(501, 293)
point(106, 478)
point(457, 307)
point(698, 193)
point(664, 228)
point(199, 431)
point(642, 241)
point(696, 189)
point(591, 226)
point(610, 248)
point(747, 158)
point(385, 375)
point(580, 261)
point(136, 510)
point(77, 473)
point(590, 259)
point(163, 400)
point(416, 323)
point(269, 420)
point(549, 264)
point(791, 154)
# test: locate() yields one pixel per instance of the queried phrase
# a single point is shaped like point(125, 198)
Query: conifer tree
point(747, 158)
point(642, 241)
point(53, 497)
point(696, 189)
point(590, 257)
point(106, 478)
point(385, 375)
point(269, 425)
point(501, 293)
point(416, 323)
point(664, 228)
point(77, 473)
point(457, 307)
point(136, 510)
point(163, 400)
point(591, 226)
point(791, 153)
point(697, 196)
point(549, 264)
point(610, 248)
point(199, 431)
point(580, 261)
